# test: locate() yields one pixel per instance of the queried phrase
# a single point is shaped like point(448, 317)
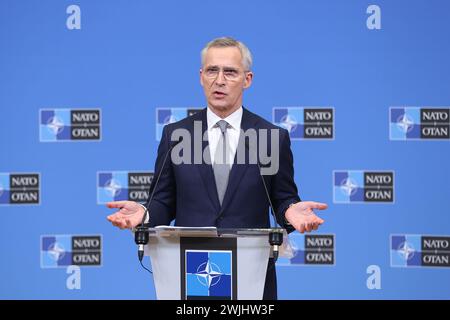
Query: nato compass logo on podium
point(64, 250)
point(123, 185)
point(170, 115)
point(57, 125)
point(208, 274)
point(19, 188)
point(413, 123)
point(317, 249)
point(420, 251)
point(357, 186)
point(305, 122)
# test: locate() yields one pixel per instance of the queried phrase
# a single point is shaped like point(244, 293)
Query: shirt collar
point(234, 119)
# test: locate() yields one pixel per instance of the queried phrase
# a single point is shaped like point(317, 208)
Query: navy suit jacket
point(187, 192)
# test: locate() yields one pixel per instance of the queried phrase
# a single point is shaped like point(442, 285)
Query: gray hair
point(224, 42)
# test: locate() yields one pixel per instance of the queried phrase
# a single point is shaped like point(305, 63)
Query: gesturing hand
point(129, 215)
point(302, 217)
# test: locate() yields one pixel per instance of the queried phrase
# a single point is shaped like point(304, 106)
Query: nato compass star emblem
point(406, 251)
point(208, 274)
point(55, 125)
point(349, 187)
point(170, 119)
point(405, 123)
point(113, 187)
point(56, 251)
point(289, 123)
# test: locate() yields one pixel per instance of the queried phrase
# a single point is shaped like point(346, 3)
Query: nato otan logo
point(415, 123)
point(57, 125)
point(123, 185)
point(65, 250)
point(409, 250)
point(170, 115)
point(19, 188)
point(357, 186)
point(305, 122)
point(208, 274)
point(317, 249)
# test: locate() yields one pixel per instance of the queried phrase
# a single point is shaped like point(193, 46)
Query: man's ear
point(248, 79)
point(201, 80)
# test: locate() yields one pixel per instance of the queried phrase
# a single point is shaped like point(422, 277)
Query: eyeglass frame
point(205, 71)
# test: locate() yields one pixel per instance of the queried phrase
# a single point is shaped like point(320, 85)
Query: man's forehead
point(223, 57)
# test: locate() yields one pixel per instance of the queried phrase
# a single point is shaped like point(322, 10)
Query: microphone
point(276, 235)
point(141, 234)
point(141, 239)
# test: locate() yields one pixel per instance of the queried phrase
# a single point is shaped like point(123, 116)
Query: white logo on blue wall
point(289, 123)
point(305, 122)
point(166, 116)
point(59, 251)
point(56, 251)
point(406, 251)
point(349, 187)
point(113, 188)
point(419, 123)
point(405, 123)
point(55, 125)
point(317, 249)
point(409, 250)
point(290, 118)
point(353, 186)
point(170, 119)
point(123, 185)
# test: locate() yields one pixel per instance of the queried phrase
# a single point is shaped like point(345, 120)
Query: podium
point(209, 263)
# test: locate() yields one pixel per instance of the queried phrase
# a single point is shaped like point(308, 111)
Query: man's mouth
point(219, 94)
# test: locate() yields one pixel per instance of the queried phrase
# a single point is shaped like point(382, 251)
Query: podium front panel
point(209, 268)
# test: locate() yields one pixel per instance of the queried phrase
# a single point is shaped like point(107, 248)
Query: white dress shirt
point(233, 132)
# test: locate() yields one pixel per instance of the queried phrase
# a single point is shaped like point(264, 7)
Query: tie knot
point(223, 125)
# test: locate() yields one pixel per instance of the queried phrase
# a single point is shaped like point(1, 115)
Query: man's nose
point(220, 79)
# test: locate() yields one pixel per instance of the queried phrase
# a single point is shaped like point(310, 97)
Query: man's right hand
point(129, 215)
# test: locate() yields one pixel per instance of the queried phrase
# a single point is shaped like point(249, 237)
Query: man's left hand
point(302, 217)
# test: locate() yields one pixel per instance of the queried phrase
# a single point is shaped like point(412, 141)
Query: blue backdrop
point(122, 63)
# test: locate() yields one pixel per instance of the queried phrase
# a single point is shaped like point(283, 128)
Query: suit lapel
point(206, 170)
point(237, 170)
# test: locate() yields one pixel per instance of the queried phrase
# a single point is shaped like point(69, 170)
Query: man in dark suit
point(221, 190)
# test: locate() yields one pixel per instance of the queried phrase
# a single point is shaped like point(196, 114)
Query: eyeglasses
point(228, 73)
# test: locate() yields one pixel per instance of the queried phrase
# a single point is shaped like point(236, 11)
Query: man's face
point(224, 78)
